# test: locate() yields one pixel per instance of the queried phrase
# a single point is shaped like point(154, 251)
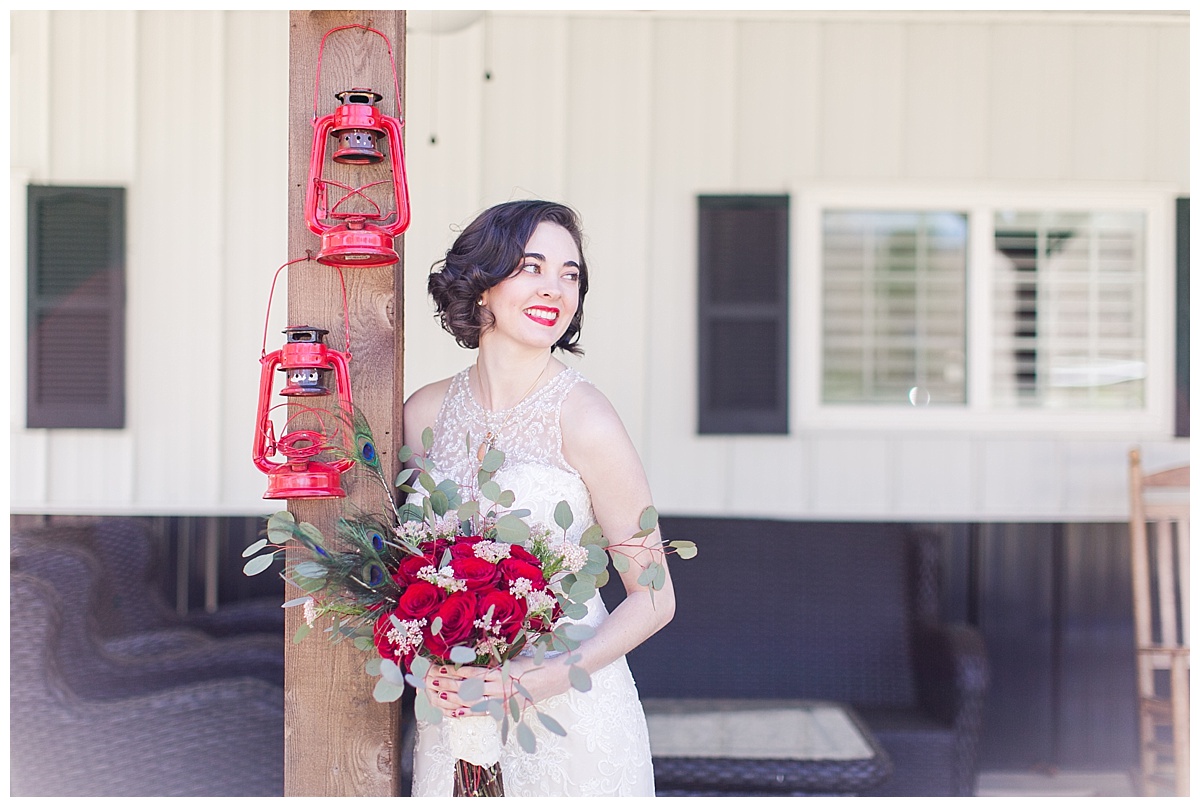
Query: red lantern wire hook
point(270, 297)
point(391, 58)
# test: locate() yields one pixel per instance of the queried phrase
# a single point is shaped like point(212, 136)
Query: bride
point(513, 286)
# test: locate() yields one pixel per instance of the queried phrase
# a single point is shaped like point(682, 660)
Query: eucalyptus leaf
point(405, 476)
point(311, 532)
point(506, 499)
point(620, 562)
point(660, 576)
point(480, 707)
point(280, 526)
point(514, 708)
point(602, 579)
point(414, 682)
point(563, 516)
point(254, 547)
point(468, 510)
point(392, 672)
point(301, 632)
point(526, 739)
point(521, 689)
point(579, 632)
point(490, 490)
point(436, 626)
point(583, 590)
point(363, 643)
point(495, 708)
point(471, 689)
point(258, 565)
point(439, 502)
point(404, 454)
point(685, 549)
point(371, 668)
point(579, 678)
point(386, 691)
point(492, 461)
point(511, 529)
point(575, 610)
point(426, 481)
point(649, 519)
point(420, 666)
point(552, 725)
point(427, 438)
point(297, 601)
point(593, 535)
point(648, 575)
point(462, 655)
point(427, 711)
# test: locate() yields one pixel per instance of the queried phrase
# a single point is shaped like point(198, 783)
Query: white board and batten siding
point(188, 112)
point(627, 116)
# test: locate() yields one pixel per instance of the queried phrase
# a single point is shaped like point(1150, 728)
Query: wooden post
point(338, 740)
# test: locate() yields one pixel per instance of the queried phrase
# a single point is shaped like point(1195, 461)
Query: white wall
point(182, 109)
point(627, 116)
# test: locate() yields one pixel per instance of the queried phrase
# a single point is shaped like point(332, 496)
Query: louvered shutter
point(76, 317)
point(1069, 296)
point(894, 307)
point(743, 314)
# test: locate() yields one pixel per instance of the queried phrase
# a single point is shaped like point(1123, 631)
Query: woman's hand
point(443, 684)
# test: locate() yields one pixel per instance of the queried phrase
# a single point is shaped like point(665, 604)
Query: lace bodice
point(530, 436)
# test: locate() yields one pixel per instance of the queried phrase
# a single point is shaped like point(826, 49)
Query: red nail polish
point(436, 682)
point(444, 696)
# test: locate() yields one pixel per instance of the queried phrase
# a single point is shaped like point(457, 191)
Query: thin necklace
point(490, 438)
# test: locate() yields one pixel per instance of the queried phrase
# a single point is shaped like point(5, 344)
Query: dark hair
point(486, 252)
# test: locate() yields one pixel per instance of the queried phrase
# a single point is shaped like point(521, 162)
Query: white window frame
point(980, 203)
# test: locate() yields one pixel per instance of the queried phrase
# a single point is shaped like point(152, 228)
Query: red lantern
point(356, 228)
point(307, 363)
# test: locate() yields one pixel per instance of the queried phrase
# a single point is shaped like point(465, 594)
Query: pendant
point(484, 446)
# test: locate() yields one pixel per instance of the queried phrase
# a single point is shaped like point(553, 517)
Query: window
point(743, 314)
point(1069, 310)
point(894, 307)
point(76, 299)
point(969, 304)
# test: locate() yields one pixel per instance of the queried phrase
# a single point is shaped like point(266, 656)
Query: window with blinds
point(894, 307)
point(743, 314)
point(76, 307)
point(1069, 297)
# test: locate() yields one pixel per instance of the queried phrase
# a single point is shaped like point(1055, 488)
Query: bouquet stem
point(477, 780)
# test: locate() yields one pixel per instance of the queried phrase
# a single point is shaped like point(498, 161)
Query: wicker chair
point(221, 737)
point(772, 610)
point(136, 662)
point(125, 549)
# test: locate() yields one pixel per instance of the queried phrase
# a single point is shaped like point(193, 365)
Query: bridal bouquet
point(452, 576)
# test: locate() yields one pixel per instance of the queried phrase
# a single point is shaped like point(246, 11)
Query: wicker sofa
point(220, 737)
point(844, 613)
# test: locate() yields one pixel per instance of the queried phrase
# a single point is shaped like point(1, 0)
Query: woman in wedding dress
point(513, 286)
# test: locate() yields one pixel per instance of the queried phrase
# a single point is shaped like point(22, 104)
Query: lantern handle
point(391, 57)
point(271, 296)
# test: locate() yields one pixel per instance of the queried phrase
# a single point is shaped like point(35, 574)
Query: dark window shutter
point(743, 314)
point(76, 316)
point(1183, 319)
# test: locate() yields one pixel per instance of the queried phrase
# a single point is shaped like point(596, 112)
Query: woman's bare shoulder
point(589, 419)
point(421, 408)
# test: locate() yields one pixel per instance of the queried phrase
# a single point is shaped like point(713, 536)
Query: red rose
point(521, 553)
point(507, 611)
point(435, 549)
point(457, 613)
point(464, 546)
point(406, 574)
point(476, 572)
point(418, 600)
point(511, 569)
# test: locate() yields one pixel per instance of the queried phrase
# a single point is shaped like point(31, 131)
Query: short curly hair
point(486, 252)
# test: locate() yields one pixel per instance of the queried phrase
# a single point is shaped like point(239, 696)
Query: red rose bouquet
point(451, 577)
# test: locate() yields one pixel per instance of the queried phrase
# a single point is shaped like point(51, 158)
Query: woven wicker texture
point(827, 612)
point(125, 549)
point(138, 662)
point(218, 738)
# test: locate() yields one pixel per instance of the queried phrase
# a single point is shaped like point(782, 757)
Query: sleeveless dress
point(607, 749)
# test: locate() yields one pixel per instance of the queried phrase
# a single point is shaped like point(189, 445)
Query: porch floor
point(1057, 783)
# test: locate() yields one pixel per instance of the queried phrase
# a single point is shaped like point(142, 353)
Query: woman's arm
point(596, 443)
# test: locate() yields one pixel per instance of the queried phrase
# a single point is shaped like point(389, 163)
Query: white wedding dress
point(606, 751)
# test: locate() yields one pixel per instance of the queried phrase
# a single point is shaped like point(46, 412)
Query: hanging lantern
point(356, 227)
point(306, 363)
point(311, 370)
